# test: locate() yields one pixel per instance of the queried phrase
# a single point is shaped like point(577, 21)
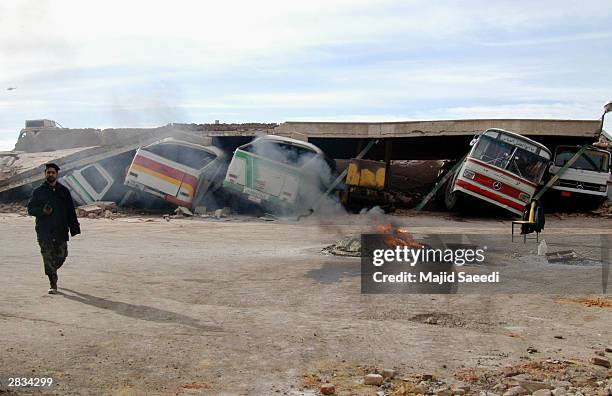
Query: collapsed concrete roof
point(41, 139)
point(406, 129)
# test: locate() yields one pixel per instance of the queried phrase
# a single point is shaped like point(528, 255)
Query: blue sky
point(131, 64)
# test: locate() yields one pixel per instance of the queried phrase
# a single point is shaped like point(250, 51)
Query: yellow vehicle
point(365, 183)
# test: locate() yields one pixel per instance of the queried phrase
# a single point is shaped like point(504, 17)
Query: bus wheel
point(451, 199)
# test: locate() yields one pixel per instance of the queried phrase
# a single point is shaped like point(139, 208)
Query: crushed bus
point(502, 168)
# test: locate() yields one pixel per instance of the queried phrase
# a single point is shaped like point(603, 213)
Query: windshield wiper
point(517, 168)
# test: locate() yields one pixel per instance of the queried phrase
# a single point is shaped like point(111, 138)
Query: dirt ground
point(247, 306)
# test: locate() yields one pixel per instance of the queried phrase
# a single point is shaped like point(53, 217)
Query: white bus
point(502, 168)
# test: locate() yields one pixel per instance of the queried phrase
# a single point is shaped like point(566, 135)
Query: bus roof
point(518, 136)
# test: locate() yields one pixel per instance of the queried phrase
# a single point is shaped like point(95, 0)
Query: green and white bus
point(278, 172)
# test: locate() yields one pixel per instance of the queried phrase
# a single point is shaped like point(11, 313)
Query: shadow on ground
point(141, 312)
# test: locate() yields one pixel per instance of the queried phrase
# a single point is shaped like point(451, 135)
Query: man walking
point(53, 207)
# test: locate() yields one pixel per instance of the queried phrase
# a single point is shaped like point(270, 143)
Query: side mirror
point(474, 140)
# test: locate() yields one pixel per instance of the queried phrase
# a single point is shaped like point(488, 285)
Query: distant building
point(40, 124)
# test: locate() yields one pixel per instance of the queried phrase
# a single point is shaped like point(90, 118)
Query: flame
point(397, 236)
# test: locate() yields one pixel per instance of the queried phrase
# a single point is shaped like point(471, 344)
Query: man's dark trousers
point(54, 254)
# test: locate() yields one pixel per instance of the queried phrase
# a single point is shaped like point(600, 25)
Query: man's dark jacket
point(63, 218)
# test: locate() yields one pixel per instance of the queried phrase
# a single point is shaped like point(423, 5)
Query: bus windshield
point(590, 160)
point(504, 155)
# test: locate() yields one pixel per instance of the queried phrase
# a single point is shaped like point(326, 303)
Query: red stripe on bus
point(489, 194)
point(166, 170)
point(504, 188)
point(503, 171)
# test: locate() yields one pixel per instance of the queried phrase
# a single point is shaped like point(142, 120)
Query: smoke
point(314, 172)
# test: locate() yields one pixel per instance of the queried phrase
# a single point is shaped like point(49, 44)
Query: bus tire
point(451, 198)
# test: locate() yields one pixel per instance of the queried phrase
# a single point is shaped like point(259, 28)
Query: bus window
point(591, 160)
point(527, 165)
point(492, 151)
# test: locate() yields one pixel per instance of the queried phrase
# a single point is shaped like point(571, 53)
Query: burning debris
point(392, 236)
point(396, 236)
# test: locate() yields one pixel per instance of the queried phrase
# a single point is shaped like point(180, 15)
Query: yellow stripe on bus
point(169, 179)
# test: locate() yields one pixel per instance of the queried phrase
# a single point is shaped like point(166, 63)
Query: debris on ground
point(222, 212)
point(183, 211)
point(19, 207)
point(373, 379)
point(605, 210)
point(349, 246)
point(440, 319)
point(541, 377)
point(562, 256)
point(327, 389)
point(200, 210)
point(600, 302)
point(97, 209)
point(600, 361)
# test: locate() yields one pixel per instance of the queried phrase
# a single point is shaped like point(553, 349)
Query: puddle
point(333, 272)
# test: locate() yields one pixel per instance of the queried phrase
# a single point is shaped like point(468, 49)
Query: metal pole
point(440, 183)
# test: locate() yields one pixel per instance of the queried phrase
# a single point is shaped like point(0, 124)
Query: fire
point(397, 236)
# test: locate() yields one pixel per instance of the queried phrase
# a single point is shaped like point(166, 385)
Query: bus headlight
point(469, 174)
point(602, 188)
point(524, 197)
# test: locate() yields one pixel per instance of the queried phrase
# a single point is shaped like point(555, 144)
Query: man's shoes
point(52, 291)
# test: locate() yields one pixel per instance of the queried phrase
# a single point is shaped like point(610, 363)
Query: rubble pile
point(536, 378)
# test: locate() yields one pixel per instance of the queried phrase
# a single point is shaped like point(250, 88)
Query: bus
point(587, 178)
point(279, 173)
point(175, 171)
point(502, 168)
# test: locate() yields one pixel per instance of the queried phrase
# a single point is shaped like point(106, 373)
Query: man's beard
point(51, 179)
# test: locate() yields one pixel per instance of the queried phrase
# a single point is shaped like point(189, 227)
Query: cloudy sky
point(121, 63)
